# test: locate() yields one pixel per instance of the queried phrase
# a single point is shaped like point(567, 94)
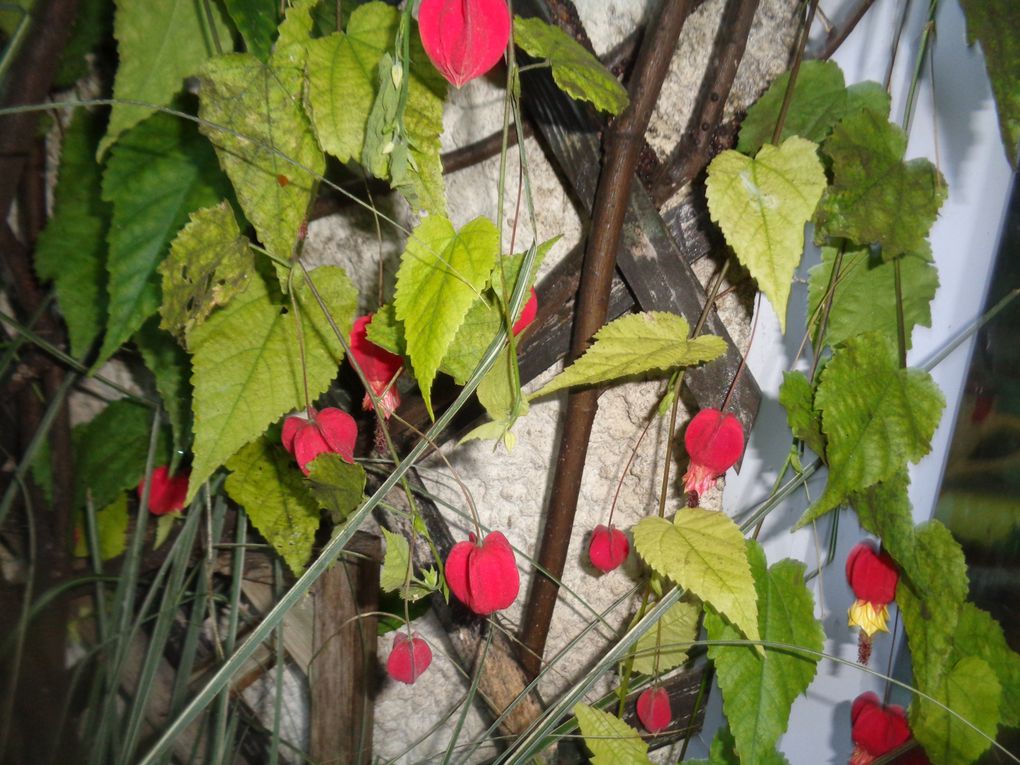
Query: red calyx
point(377, 364)
point(653, 709)
point(464, 38)
point(714, 442)
point(872, 575)
point(330, 430)
point(483, 576)
point(608, 548)
point(167, 493)
point(528, 314)
point(409, 658)
point(877, 730)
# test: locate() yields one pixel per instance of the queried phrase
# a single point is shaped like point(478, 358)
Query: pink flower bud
point(378, 365)
point(608, 548)
point(528, 314)
point(483, 576)
point(409, 658)
point(653, 709)
point(714, 443)
point(464, 38)
point(330, 430)
point(167, 493)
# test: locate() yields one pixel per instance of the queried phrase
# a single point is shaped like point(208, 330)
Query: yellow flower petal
point(864, 615)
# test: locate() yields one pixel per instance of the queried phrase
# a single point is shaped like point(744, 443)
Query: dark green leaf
point(93, 24)
point(159, 173)
point(820, 100)
point(171, 369)
point(876, 197)
point(110, 452)
point(72, 248)
point(256, 21)
point(996, 25)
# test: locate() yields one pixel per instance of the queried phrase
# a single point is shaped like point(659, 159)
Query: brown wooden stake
point(343, 662)
point(623, 145)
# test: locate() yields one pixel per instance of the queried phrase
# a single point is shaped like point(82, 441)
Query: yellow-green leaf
point(210, 262)
point(758, 687)
point(636, 344)
point(264, 142)
point(159, 43)
point(247, 366)
point(111, 526)
point(703, 551)
point(610, 739)
point(665, 645)
point(342, 78)
point(864, 296)
point(442, 272)
point(267, 483)
point(762, 205)
point(576, 71)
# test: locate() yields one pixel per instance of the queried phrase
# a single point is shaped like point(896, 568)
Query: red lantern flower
point(331, 430)
point(379, 366)
point(528, 314)
point(483, 576)
point(608, 548)
point(873, 577)
point(464, 38)
point(714, 443)
point(167, 493)
point(409, 658)
point(653, 709)
point(877, 730)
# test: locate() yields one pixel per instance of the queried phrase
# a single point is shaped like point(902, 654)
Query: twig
point(838, 36)
point(623, 144)
point(694, 150)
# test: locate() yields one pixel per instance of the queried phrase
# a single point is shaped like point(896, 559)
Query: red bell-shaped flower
point(873, 578)
point(167, 493)
point(653, 709)
point(877, 730)
point(409, 658)
point(464, 38)
point(714, 443)
point(330, 430)
point(528, 314)
point(608, 548)
point(483, 576)
point(378, 365)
